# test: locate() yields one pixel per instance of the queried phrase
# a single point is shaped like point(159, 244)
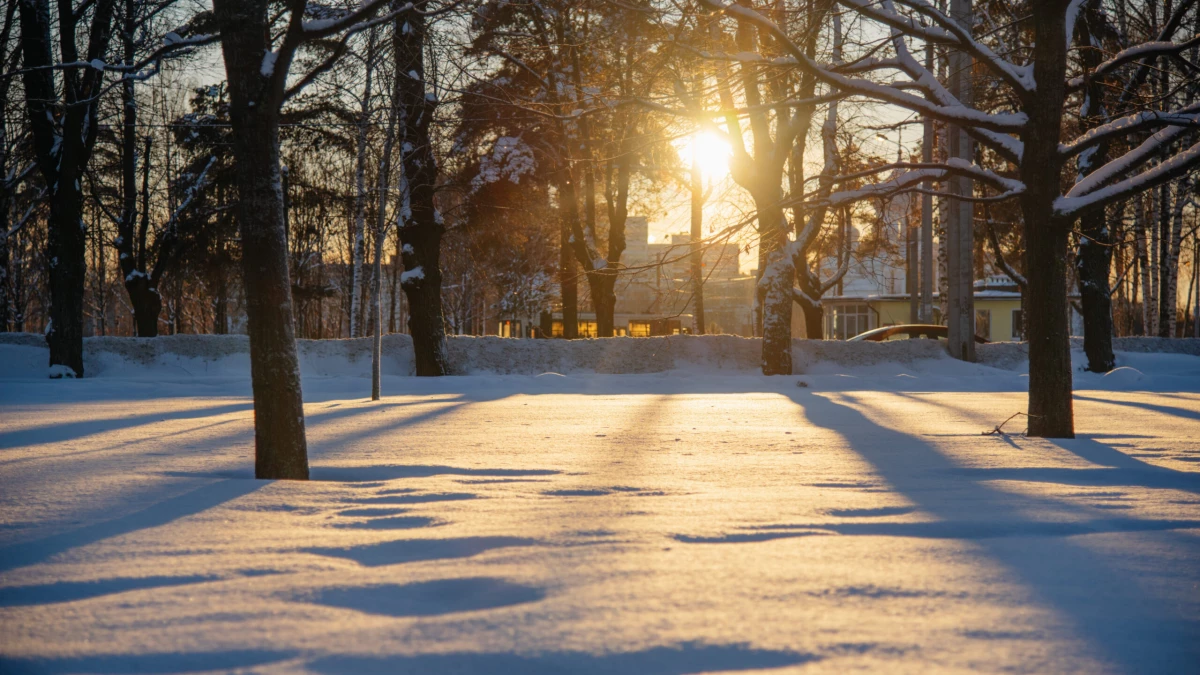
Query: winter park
point(599, 336)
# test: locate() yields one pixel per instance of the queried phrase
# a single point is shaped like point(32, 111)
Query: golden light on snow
point(711, 151)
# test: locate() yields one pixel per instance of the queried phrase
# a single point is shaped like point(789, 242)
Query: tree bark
point(568, 208)
point(420, 224)
point(777, 317)
point(255, 100)
point(1050, 403)
point(1093, 255)
point(63, 139)
point(1183, 189)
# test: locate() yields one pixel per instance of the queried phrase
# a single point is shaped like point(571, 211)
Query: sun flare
point(712, 152)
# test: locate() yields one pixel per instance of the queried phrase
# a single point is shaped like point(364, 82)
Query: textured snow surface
point(661, 523)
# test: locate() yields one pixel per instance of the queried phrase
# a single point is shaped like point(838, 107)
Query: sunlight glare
point(712, 152)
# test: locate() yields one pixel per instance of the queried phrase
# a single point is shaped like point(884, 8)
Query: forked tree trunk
point(420, 224)
point(63, 139)
point(280, 446)
point(602, 284)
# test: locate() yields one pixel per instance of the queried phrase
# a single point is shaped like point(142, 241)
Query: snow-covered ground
point(686, 521)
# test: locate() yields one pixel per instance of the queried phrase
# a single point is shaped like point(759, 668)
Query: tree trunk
point(1165, 208)
point(774, 288)
point(62, 153)
point(280, 447)
point(5, 216)
point(1093, 261)
point(568, 281)
point(960, 321)
point(420, 224)
point(360, 193)
point(1184, 187)
point(777, 315)
point(602, 285)
point(383, 178)
point(1093, 255)
point(377, 312)
point(810, 304)
point(1143, 263)
point(1050, 403)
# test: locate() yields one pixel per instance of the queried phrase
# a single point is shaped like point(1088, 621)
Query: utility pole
point(697, 235)
point(926, 315)
point(960, 230)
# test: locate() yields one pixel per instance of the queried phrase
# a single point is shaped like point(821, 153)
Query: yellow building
point(998, 316)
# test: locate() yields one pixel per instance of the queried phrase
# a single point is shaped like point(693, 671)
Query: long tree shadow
point(172, 662)
point(69, 591)
point(1119, 470)
point(678, 660)
point(1106, 604)
point(72, 431)
point(1171, 410)
point(158, 513)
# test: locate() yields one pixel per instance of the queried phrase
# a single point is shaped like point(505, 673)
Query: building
point(655, 291)
point(998, 313)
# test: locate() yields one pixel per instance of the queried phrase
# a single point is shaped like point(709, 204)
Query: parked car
point(906, 331)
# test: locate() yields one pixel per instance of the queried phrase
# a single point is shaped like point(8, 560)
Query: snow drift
point(25, 355)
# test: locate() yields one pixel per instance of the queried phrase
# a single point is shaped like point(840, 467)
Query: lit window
point(846, 321)
point(639, 329)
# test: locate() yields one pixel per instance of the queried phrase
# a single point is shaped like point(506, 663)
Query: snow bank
point(198, 356)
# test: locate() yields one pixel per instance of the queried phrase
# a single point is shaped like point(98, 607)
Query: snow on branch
point(1179, 165)
point(1184, 117)
point(172, 44)
point(947, 32)
point(1150, 149)
point(329, 23)
point(1146, 50)
point(954, 114)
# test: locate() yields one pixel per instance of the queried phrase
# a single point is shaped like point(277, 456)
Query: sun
point(712, 152)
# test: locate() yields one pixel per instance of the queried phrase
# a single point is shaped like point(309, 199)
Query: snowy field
point(699, 519)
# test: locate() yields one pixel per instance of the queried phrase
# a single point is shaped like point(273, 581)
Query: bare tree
point(257, 69)
point(1028, 141)
point(419, 223)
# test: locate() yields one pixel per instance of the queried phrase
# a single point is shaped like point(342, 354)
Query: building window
point(510, 329)
point(983, 323)
point(1018, 325)
point(639, 329)
point(588, 329)
point(846, 321)
point(556, 329)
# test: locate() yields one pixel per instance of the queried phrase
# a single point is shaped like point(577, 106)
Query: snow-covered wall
point(25, 355)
